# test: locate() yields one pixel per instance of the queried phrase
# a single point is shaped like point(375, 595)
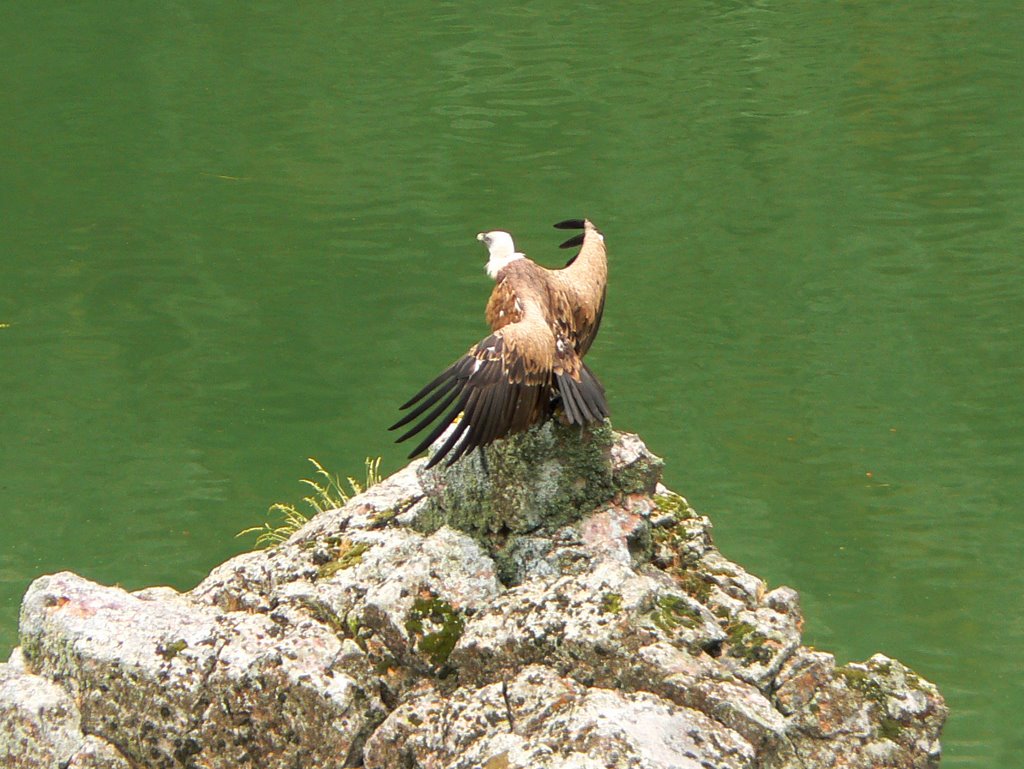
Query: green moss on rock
point(672, 611)
point(171, 650)
point(889, 728)
point(673, 542)
point(862, 681)
point(346, 555)
point(673, 504)
point(611, 603)
point(694, 584)
point(746, 642)
point(544, 477)
point(434, 627)
point(534, 482)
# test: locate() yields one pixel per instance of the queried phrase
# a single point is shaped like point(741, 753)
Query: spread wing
point(503, 385)
point(579, 288)
point(504, 306)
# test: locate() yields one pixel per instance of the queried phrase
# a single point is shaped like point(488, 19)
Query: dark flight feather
point(570, 224)
point(575, 240)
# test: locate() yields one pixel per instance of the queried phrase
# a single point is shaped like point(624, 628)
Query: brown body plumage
point(542, 324)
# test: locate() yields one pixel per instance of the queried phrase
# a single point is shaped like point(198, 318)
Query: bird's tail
point(583, 401)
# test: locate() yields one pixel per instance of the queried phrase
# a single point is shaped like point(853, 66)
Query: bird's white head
point(501, 249)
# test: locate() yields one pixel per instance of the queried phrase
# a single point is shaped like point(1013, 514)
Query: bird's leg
point(483, 461)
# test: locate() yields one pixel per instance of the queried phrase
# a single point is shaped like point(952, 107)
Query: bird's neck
point(497, 263)
point(592, 258)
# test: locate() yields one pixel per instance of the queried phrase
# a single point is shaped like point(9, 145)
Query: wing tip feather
point(570, 224)
point(575, 240)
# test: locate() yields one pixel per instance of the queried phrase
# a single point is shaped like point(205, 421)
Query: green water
point(232, 239)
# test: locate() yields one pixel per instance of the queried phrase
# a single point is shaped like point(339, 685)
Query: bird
point(543, 321)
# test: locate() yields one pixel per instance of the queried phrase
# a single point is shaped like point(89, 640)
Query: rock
point(39, 723)
point(177, 683)
point(96, 753)
point(877, 713)
point(541, 480)
point(541, 719)
point(41, 726)
point(560, 608)
point(591, 623)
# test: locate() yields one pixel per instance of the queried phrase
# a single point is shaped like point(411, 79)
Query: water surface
point(234, 239)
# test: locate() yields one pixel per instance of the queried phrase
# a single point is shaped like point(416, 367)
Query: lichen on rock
point(556, 608)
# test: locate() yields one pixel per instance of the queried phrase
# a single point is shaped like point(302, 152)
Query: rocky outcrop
point(553, 606)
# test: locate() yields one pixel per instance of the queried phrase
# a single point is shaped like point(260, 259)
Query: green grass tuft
point(328, 494)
